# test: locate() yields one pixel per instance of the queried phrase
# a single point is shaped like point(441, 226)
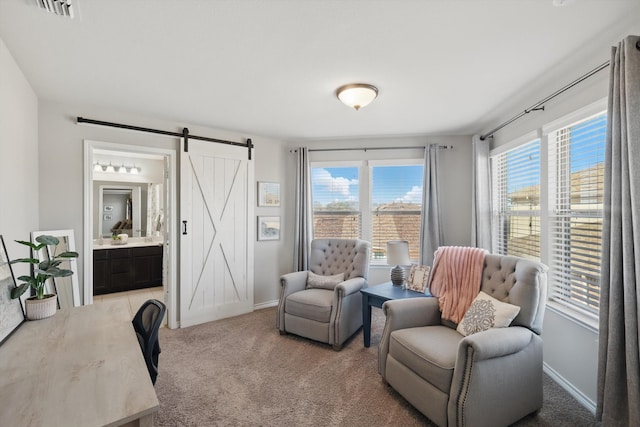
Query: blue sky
point(390, 183)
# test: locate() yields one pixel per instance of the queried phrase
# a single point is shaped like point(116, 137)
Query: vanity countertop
point(131, 243)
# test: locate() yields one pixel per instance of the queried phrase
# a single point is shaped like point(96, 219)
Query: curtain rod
point(539, 106)
point(419, 147)
point(184, 134)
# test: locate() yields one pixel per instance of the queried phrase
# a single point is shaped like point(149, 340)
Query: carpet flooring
point(242, 372)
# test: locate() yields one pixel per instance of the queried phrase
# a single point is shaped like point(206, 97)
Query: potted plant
point(41, 305)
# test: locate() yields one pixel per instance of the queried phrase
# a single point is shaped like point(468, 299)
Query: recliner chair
point(332, 311)
point(491, 378)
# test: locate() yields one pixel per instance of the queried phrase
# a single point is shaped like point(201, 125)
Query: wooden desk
point(375, 296)
point(82, 367)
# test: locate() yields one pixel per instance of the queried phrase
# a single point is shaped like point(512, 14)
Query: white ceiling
point(271, 67)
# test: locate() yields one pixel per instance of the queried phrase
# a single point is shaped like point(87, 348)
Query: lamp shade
point(357, 95)
point(398, 252)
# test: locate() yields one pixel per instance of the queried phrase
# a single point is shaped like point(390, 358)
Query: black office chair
point(146, 323)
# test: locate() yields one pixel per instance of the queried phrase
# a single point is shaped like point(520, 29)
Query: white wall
point(61, 181)
point(18, 158)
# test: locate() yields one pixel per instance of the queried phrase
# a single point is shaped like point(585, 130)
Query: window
point(576, 187)
point(567, 163)
point(516, 201)
point(377, 200)
point(336, 206)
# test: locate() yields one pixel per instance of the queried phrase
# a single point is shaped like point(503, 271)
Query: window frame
point(592, 110)
point(365, 160)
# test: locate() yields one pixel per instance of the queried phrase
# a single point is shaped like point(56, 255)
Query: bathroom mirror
point(67, 288)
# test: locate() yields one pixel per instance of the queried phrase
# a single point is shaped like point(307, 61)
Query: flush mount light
point(357, 95)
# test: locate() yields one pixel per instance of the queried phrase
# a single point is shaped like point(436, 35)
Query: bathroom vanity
point(134, 265)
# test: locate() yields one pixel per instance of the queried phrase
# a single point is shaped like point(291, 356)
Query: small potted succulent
point(41, 305)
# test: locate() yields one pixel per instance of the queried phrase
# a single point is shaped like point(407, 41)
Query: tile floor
point(126, 304)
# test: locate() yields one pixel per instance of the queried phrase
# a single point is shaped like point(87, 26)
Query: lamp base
point(397, 275)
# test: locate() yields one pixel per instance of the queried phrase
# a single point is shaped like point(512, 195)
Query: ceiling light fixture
point(357, 95)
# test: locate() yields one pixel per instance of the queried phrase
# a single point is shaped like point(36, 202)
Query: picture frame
point(268, 228)
point(268, 194)
point(11, 311)
point(418, 278)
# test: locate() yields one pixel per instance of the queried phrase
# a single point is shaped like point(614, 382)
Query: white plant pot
point(41, 308)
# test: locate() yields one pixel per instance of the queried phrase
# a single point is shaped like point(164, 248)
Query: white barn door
point(217, 232)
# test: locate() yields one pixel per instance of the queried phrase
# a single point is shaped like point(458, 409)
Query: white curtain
point(619, 352)
point(304, 217)
point(431, 237)
point(480, 195)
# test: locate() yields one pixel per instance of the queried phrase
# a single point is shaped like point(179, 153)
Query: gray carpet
point(241, 372)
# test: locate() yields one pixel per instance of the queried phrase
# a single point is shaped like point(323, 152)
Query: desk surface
point(81, 367)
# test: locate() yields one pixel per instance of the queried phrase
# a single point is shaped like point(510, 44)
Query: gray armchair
point(327, 313)
point(491, 378)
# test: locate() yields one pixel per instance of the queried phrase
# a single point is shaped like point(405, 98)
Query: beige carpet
point(242, 372)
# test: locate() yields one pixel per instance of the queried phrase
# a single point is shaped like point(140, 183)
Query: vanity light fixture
point(122, 169)
point(110, 168)
point(98, 167)
point(357, 95)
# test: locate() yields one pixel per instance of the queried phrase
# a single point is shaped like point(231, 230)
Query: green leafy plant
point(42, 270)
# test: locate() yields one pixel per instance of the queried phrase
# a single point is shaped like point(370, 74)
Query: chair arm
point(492, 343)
point(494, 370)
point(402, 314)
point(293, 282)
point(289, 283)
point(351, 286)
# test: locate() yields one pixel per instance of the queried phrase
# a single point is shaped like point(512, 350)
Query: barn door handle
point(184, 229)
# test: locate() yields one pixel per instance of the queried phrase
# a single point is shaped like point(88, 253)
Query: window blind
point(396, 207)
point(576, 187)
point(516, 201)
point(335, 198)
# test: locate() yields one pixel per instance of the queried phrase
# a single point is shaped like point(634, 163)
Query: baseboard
point(570, 388)
point(267, 304)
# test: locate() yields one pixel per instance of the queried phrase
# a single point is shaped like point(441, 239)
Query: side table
point(375, 296)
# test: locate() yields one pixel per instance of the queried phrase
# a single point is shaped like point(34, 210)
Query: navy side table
point(375, 296)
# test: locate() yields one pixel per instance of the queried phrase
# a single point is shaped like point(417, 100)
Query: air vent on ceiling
point(58, 7)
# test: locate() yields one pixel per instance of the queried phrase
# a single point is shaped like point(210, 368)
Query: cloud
point(413, 196)
point(338, 184)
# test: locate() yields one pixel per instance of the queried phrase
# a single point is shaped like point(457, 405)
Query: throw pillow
point(324, 282)
point(486, 312)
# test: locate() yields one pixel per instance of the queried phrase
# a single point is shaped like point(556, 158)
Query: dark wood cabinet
point(125, 269)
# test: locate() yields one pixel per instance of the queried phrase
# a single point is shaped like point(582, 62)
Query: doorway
point(148, 176)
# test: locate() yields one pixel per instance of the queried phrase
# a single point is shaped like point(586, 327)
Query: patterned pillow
point(324, 282)
point(486, 312)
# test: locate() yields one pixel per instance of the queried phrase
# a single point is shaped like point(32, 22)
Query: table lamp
point(398, 254)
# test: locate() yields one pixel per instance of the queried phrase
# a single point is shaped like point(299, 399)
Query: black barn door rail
point(184, 134)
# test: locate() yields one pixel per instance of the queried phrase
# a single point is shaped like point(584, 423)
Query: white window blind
point(336, 203)
point(576, 186)
point(516, 201)
point(396, 207)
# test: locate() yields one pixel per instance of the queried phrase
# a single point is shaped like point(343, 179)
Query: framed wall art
point(268, 194)
point(11, 314)
point(268, 227)
point(418, 277)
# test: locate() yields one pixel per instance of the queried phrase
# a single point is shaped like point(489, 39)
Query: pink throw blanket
point(455, 279)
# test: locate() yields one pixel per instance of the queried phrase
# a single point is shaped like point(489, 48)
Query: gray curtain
point(431, 231)
point(304, 217)
point(480, 195)
point(619, 354)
